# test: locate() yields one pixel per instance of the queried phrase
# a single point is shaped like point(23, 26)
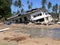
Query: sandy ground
point(26, 40)
point(40, 41)
point(13, 37)
point(10, 37)
point(30, 25)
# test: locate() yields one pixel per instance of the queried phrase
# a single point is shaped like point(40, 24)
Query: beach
point(12, 37)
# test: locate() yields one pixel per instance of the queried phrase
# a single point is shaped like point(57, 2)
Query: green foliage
point(54, 15)
point(29, 5)
point(28, 2)
point(55, 8)
point(43, 3)
point(49, 5)
point(5, 9)
point(19, 4)
point(22, 10)
point(59, 8)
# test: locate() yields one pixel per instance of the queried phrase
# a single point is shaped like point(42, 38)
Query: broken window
point(25, 18)
point(35, 15)
point(38, 15)
point(16, 21)
point(13, 21)
point(40, 20)
point(20, 20)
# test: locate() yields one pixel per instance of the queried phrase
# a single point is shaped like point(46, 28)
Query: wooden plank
point(4, 29)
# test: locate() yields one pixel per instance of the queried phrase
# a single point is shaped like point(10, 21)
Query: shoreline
point(28, 40)
point(29, 26)
point(25, 40)
point(35, 26)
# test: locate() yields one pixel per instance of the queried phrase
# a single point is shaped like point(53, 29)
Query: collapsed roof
point(28, 12)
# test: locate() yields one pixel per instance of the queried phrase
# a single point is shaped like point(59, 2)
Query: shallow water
point(55, 33)
point(37, 32)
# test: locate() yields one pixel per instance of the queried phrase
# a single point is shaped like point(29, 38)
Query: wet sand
point(25, 40)
point(29, 40)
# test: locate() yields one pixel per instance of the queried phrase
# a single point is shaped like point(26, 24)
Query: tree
point(5, 10)
point(59, 12)
point(59, 8)
point(19, 4)
point(28, 2)
point(22, 10)
point(49, 5)
point(29, 5)
point(55, 8)
point(43, 3)
point(17, 12)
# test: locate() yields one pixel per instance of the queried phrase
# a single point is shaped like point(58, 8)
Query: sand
point(25, 39)
point(28, 40)
point(40, 41)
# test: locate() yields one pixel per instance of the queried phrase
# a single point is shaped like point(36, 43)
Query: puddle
point(36, 32)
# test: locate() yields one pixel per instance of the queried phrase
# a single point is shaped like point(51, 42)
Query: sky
point(36, 4)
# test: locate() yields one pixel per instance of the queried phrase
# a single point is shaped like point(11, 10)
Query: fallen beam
point(4, 29)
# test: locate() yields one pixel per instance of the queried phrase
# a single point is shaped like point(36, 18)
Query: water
point(55, 33)
point(37, 32)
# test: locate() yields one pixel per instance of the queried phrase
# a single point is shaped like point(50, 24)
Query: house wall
point(39, 18)
point(34, 14)
point(48, 19)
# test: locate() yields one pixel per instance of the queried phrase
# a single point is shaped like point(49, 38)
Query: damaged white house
point(38, 15)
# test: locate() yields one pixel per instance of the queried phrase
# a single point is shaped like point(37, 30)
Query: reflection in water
point(35, 32)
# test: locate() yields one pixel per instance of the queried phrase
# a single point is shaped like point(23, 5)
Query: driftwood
point(4, 29)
